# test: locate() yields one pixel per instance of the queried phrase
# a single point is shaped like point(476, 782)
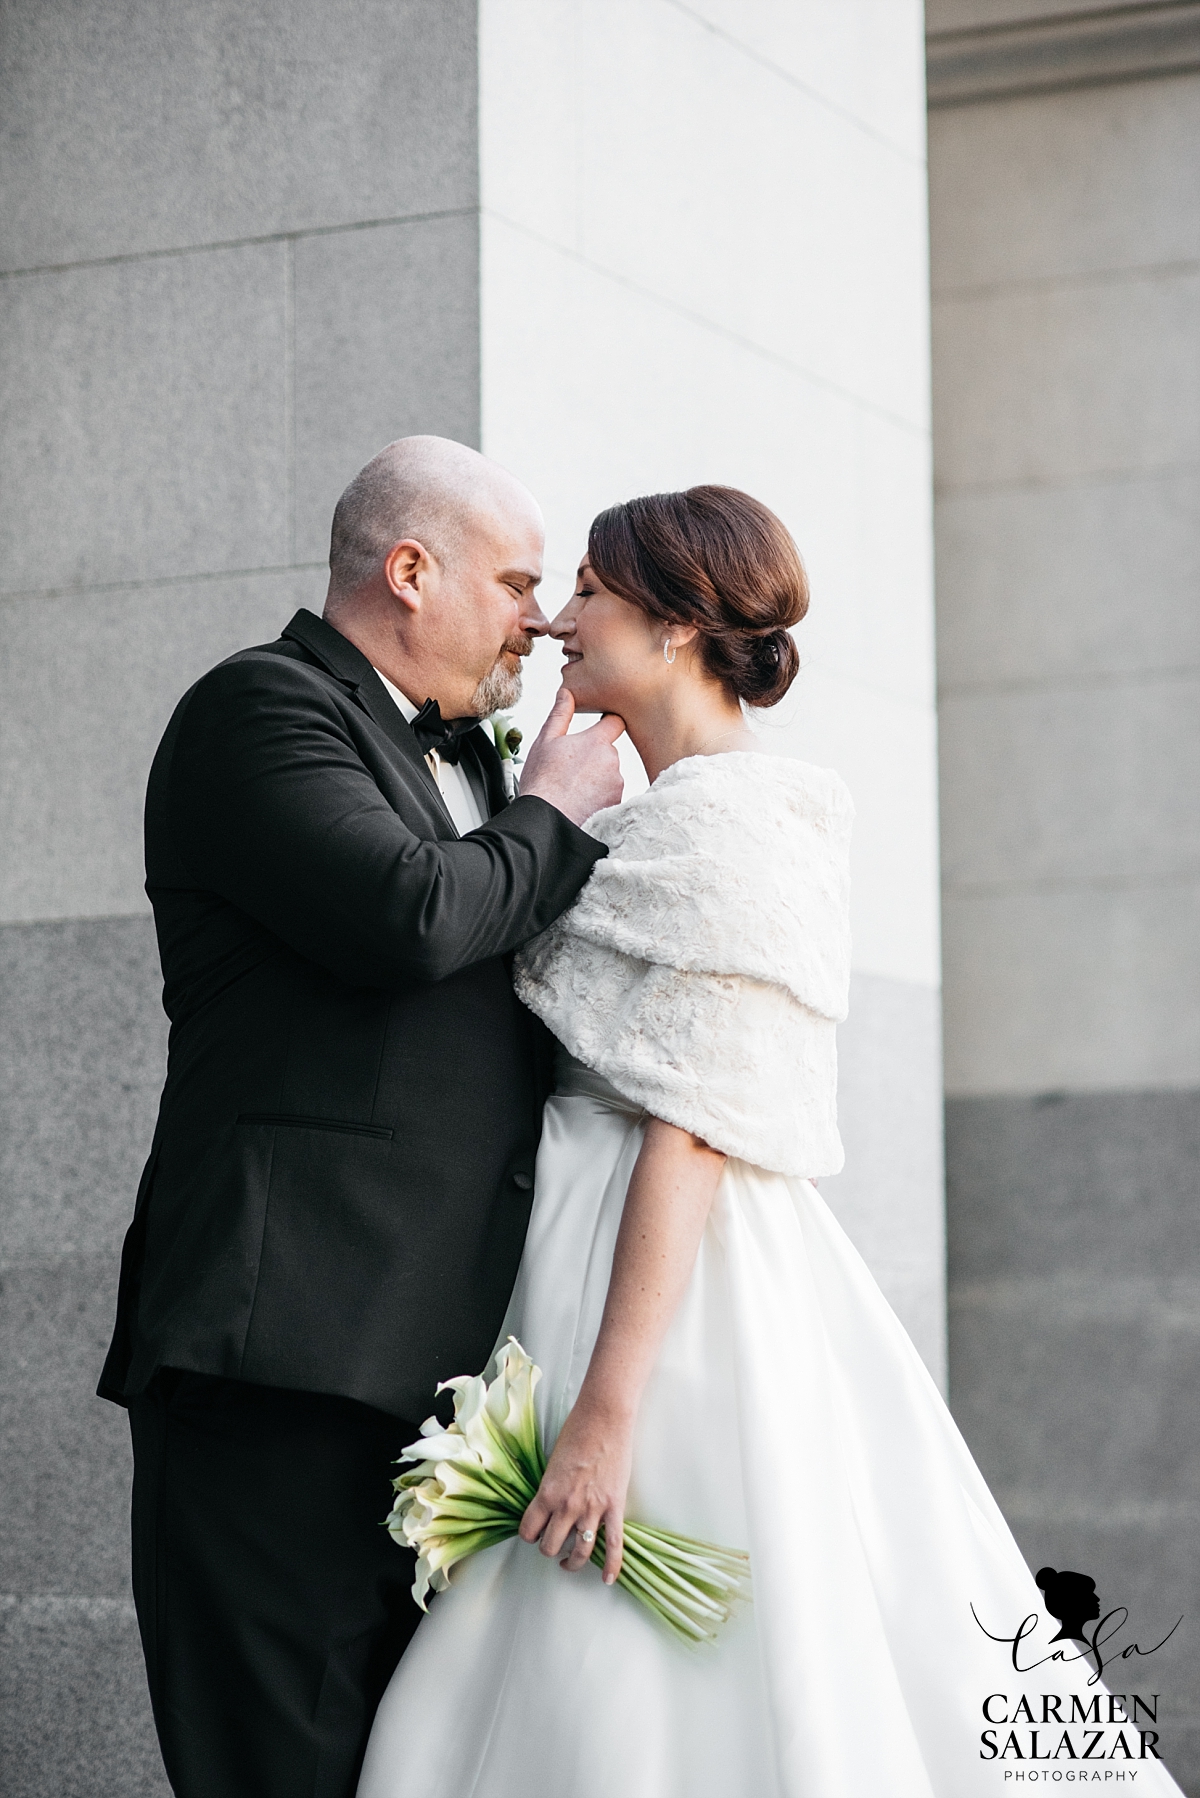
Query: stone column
point(240, 253)
point(622, 247)
point(1065, 216)
point(703, 258)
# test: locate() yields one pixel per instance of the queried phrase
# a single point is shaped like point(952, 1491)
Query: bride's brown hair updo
point(715, 558)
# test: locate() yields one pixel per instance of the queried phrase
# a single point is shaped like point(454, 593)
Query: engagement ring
point(587, 1535)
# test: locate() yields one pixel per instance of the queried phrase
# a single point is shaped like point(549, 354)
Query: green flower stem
point(642, 1571)
point(719, 1570)
point(665, 1557)
point(686, 1549)
point(467, 1545)
point(476, 1508)
point(674, 1594)
point(470, 1526)
point(668, 1612)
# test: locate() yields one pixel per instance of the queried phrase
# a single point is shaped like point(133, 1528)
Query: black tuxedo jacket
point(340, 1180)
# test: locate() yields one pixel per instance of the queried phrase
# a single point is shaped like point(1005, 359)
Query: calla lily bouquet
point(471, 1484)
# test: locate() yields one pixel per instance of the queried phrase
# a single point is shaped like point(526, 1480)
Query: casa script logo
point(1073, 1738)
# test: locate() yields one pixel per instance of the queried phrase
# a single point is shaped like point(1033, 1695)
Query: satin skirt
point(788, 1414)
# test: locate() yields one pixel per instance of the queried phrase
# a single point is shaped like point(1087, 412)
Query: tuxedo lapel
point(471, 764)
point(483, 768)
point(338, 656)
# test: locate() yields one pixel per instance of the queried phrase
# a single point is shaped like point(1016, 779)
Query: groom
point(337, 1192)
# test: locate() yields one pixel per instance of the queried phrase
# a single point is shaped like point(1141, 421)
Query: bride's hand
point(584, 1487)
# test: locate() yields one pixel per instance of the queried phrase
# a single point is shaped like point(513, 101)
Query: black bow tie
point(432, 731)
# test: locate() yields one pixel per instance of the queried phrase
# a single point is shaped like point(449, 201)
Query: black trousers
point(273, 1607)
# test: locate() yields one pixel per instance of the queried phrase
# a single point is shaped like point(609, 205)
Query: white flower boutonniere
point(508, 740)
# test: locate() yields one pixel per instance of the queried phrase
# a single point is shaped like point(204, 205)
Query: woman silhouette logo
point(1071, 1597)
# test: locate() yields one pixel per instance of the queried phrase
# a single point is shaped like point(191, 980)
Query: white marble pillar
point(703, 258)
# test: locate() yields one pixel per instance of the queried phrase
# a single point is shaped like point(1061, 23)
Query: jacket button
point(523, 1182)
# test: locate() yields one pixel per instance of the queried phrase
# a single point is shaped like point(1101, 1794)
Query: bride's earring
point(669, 654)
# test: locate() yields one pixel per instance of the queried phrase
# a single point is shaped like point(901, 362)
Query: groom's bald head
point(429, 489)
point(434, 563)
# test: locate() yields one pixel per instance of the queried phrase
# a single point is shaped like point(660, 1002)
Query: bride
point(717, 1359)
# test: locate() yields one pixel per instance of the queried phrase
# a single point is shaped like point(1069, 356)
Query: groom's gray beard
point(501, 686)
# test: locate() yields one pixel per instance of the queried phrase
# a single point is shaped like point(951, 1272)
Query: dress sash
point(575, 1081)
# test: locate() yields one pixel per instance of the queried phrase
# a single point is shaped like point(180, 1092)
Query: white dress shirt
point(456, 789)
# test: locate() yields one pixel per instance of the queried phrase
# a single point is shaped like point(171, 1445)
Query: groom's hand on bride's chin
point(580, 774)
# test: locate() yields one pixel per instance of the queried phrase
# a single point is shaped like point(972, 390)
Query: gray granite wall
point(1065, 225)
point(1075, 1354)
point(240, 252)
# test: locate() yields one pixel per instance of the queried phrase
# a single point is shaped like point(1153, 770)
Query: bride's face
point(613, 651)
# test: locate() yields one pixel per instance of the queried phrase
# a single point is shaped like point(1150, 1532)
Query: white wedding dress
point(698, 979)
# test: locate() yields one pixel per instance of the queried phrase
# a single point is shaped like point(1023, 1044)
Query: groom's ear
point(403, 568)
